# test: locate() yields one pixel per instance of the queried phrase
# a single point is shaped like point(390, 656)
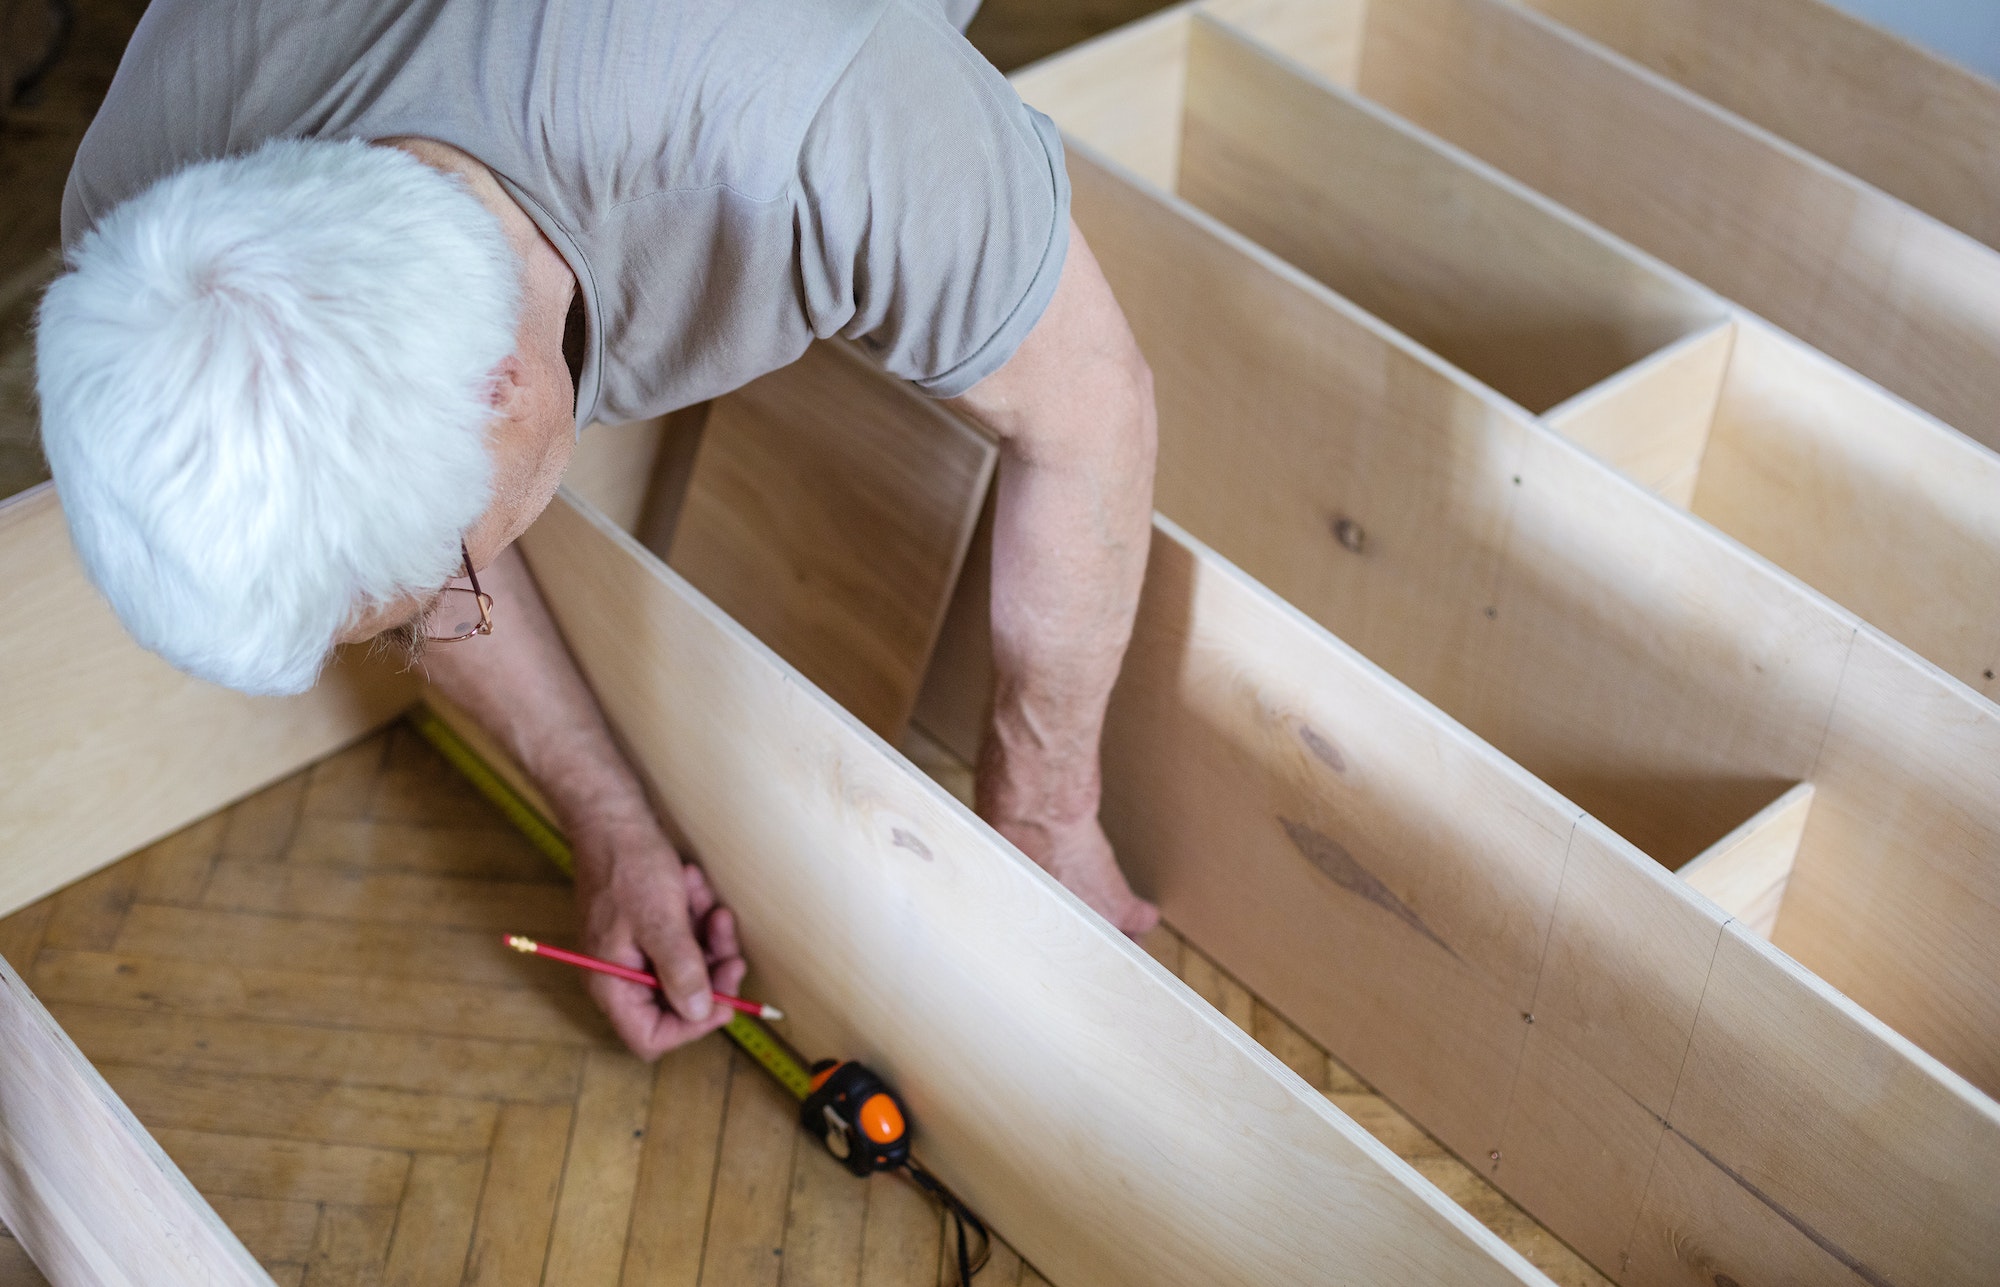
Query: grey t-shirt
point(727, 178)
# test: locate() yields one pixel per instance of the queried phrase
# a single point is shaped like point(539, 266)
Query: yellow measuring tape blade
point(757, 1041)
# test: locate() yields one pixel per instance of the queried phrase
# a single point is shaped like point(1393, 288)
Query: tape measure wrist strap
point(961, 1219)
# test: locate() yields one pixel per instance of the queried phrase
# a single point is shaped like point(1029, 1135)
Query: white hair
point(265, 385)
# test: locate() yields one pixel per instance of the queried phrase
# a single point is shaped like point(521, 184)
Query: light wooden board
point(1651, 423)
point(107, 747)
point(1875, 504)
point(1651, 669)
point(829, 511)
point(1873, 282)
point(612, 467)
point(1746, 871)
point(84, 1188)
point(984, 991)
point(1861, 496)
point(1887, 111)
point(1494, 278)
point(1521, 980)
point(1520, 585)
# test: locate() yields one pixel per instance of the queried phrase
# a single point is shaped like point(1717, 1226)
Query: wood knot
point(1323, 751)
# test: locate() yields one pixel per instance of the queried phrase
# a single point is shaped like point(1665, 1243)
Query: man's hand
point(639, 905)
point(644, 908)
point(1073, 409)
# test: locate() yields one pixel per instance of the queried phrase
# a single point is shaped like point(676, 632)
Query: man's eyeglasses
point(459, 612)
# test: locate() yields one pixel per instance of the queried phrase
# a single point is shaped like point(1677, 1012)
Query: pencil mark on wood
point(905, 840)
point(1323, 751)
point(1351, 535)
point(1339, 866)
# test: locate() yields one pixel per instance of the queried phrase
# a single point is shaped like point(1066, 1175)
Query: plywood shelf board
point(1513, 974)
point(1490, 275)
point(1560, 611)
point(830, 511)
point(1885, 110)
point(898, 865)
point(1651, 421)
point(1871, 281)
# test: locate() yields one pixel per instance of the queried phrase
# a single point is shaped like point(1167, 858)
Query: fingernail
point(699, 1006)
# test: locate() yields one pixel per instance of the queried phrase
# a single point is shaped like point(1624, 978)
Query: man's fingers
point(718, 936)
point(634, 1011)
point(729, 975)
point(700, 895)
point(677, 960)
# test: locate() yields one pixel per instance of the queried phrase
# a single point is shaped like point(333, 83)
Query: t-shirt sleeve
point(933, 207)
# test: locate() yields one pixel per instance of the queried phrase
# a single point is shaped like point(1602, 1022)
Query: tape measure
point(848, 1109)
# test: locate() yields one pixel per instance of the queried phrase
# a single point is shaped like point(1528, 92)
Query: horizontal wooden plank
point(223, 990)
point(433, 1065)
point(297, 1108)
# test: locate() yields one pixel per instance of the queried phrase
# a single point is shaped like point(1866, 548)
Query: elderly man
point(347, 277)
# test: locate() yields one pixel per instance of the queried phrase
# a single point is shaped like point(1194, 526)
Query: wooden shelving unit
point(1563, 689)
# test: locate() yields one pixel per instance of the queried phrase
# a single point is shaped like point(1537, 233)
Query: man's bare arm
point(639, 904)
point(1074, 413)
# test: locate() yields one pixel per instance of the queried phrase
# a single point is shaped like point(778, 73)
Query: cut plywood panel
point(829, 511)
point(1865, 498)
point(1746, 871)
point(1494, 278)
point(1748, 1185)
point(1911, 123)
point(805, 822)
point(1651, 423)
point(1874, 283)
point(99, 733)
point(85, 1189)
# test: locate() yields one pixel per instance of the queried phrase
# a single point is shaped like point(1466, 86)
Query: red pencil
point(616, 971)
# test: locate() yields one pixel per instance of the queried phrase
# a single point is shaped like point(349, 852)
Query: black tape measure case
point(857, 1117)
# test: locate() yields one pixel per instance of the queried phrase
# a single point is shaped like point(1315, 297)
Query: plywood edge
point(1902, 117)
point(1239, 21)
point(897, 927)
point(612, 467)
point(1650, 422)
point(1744, 873)
point(829, 509)
point(1134, 114)
point(87, 1192)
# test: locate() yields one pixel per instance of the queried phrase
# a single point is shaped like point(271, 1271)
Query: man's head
point(279, 390)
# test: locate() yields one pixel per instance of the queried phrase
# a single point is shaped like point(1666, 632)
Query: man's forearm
point(1071, 532)
point(1074, 413)
point(521, 685)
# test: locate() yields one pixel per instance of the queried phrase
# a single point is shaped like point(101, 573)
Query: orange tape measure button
point(881, 1120)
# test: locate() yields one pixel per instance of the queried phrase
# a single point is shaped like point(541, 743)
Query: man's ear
point(506, 384)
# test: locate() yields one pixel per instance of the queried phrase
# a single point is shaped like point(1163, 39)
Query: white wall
point(1965, 31)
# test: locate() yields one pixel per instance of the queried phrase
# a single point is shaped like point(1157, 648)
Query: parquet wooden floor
point(305, 998)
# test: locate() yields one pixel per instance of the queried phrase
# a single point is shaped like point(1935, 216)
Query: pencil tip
point(771, 1013)
point(520, 943)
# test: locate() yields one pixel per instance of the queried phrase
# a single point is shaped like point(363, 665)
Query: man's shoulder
point(590, 104)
